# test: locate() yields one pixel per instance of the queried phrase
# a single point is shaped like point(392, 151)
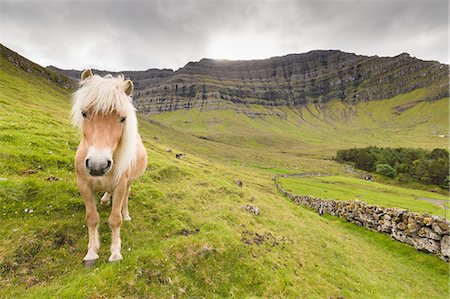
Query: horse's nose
point(98, 168)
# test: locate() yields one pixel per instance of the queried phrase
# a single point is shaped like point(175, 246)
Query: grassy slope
point(41, 253)
point(346, 188)
point(320, 129)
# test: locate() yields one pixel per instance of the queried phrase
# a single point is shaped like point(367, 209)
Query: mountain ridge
point(290, 80)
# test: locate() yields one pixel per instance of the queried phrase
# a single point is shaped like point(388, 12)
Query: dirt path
point(437, 202)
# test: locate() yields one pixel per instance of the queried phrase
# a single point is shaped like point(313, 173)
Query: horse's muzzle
point(98, 168)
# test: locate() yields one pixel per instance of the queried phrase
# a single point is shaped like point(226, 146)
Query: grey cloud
point(125, 35)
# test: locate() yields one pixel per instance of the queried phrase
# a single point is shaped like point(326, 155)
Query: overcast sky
point(137, 35)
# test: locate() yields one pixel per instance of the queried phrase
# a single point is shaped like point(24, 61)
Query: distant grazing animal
point(110, 155)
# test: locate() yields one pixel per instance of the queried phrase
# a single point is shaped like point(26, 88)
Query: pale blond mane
point(104, 95)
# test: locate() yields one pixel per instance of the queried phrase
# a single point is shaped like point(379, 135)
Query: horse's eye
point(85, 114)
point(122, 120)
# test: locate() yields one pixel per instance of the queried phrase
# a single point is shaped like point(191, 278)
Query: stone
point(419, 220)
point(440, 228)
point(428, 221)
point(251, 209)
point(425, 244)
point(425, 232)
point(445, 246)
point(400, 236)
point(411, 228)
point(401, 226)
point(384, 228)
point(412, 220)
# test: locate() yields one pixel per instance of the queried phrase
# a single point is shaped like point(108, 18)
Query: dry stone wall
point(425, 232)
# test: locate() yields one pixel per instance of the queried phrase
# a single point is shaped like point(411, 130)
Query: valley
point(190, 235)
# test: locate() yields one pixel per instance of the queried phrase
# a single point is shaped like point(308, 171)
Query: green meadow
point(189, 235)
point(348, 188)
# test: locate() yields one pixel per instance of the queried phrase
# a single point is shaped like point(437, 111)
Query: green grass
point(318, 130)
point(286, 251)
point(347, 188)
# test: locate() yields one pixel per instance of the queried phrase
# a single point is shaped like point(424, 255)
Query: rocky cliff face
point(317, 76)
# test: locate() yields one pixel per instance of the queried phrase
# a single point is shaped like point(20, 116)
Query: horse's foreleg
point(115, 220)
point(92, 219)
point(125, 214)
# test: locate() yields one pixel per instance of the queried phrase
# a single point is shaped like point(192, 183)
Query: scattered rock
point(188, 232)
point(255, 238)
point(179, 156)
point(28, 171)
point(53, 178)
point(168, 150)
point(239, 183)
point(251, 209)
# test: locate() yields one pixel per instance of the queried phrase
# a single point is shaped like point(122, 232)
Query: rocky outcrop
point(296, 79)
point(425, 232)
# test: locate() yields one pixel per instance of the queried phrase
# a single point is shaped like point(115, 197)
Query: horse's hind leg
point(125, 214)
point(106, 199)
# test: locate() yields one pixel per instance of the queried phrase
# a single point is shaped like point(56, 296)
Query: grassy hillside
point(320, 129)
point(190, 236)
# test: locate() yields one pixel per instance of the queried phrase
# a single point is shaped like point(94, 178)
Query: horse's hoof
point(115, 257)
point(126, 217)
point(89, 263)
point(105, 203)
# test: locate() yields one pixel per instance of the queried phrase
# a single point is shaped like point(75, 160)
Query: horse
point(110, 155)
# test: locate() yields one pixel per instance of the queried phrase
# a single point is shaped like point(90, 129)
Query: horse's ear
point(129, 86)
point(86, 74)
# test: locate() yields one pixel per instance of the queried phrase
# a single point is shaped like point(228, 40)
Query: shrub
point(386, 170)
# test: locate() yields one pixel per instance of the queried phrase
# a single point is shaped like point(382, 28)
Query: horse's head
point(103, 110)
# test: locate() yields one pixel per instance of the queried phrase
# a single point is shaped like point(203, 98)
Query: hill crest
point(291, 80)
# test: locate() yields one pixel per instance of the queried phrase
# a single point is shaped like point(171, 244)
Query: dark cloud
point(125, 35)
